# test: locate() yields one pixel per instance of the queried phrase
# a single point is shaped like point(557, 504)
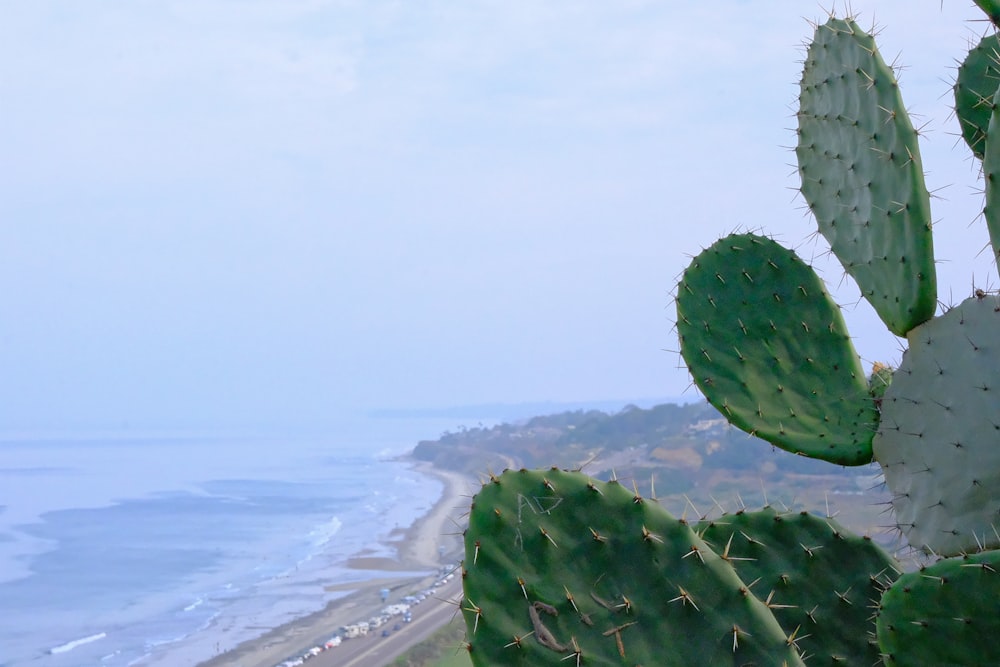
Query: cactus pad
point(879, 381)
point(938, 439)
point(991, 172)
point(945, 614)
point(818, 579)
point(562, 570)
point(861, 174)
point(768, 347)
point(977, 82)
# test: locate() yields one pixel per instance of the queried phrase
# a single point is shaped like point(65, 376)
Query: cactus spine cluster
point(560, 568)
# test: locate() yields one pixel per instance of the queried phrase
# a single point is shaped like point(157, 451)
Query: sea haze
point(141, 550)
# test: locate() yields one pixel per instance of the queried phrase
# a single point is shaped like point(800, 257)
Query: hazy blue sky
point(238, 212)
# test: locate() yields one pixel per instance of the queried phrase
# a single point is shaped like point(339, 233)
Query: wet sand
point(416, 550)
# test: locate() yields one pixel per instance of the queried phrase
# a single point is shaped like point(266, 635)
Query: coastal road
point(376, 650)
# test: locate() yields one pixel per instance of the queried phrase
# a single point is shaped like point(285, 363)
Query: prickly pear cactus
point(564, 570)
point(943, 615)
point(935, 424)
point(561, 569)
point(937, 417)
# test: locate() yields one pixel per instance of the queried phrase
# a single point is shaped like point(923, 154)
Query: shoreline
point(415, 549)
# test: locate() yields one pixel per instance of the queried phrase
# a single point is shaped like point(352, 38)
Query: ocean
point(130, 550)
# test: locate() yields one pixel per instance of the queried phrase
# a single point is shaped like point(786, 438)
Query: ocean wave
point(69, 646)
point(194, 605)
point(321, 535)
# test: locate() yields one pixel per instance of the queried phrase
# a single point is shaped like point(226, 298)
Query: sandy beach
point(417, 548)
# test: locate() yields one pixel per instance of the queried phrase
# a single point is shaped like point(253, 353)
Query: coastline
point(416, 549)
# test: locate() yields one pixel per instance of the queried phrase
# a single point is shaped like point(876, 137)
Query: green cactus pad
point(879, 381)
point(862, 177)
point(818, 579)
point(977, 82)
point(944, 615)
point(769, 349)
point(562, 570)
point(991, 173)
point(938, 438)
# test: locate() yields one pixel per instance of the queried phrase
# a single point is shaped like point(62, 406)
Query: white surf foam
point(69, 646)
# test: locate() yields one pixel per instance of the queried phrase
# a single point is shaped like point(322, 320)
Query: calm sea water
point(137, 551)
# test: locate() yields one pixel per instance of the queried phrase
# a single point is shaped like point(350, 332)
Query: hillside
point(685, 455)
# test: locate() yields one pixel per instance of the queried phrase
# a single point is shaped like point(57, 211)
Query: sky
point(261, 213)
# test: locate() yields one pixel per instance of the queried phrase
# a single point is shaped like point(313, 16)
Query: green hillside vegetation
point(688, 456)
